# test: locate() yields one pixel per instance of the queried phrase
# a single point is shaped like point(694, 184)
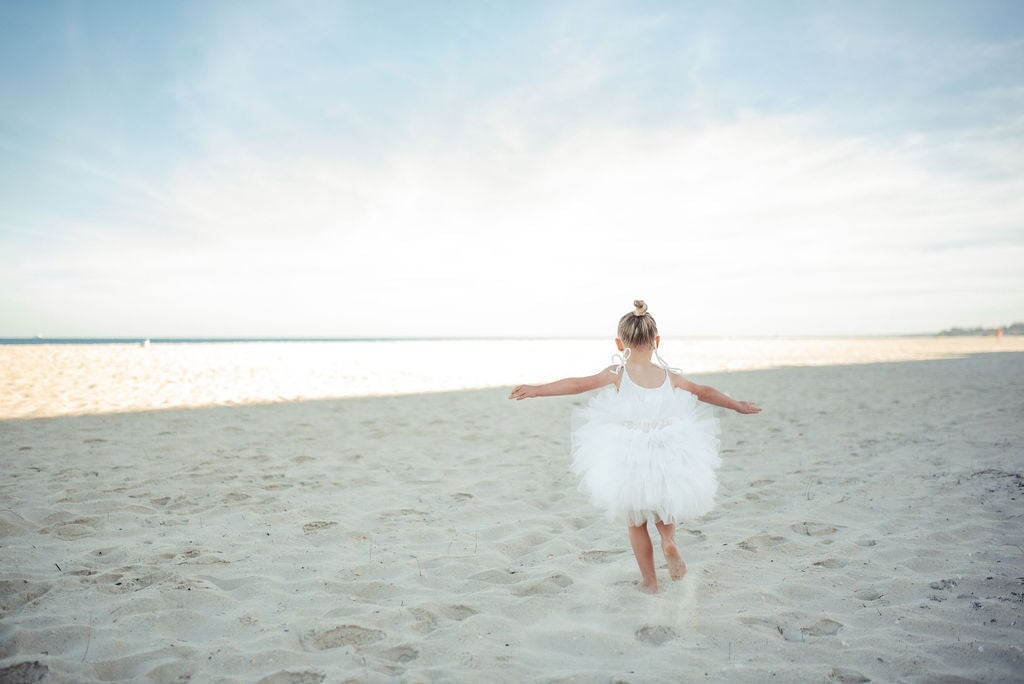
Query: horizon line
point(451, 338)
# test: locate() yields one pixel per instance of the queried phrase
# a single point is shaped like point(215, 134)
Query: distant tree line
point(1013, 329)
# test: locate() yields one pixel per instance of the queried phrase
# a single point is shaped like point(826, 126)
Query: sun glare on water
point(53, 380)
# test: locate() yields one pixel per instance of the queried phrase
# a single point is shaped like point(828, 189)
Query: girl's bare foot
point(676, 566)
point(649, 587)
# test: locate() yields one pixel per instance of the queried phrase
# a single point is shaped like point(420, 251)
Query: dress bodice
point(627, 380)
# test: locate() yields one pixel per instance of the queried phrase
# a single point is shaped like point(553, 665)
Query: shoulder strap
point(661, 362)
point(620, 360)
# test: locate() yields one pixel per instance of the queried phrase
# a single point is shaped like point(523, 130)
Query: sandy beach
point(868, 528)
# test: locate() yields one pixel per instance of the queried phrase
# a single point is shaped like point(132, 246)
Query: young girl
point(645, 448)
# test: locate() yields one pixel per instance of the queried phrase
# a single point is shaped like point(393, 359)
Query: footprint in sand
point(655, 635)
point(172, 671)
point(823, 627)
point(847, 676)
point(831, 563)
point(597, 556)
point(56, 522)
point(402, 654)
point(124, 580)
point(15, 593)
point(551, 585)
point(284, 677)
point(458, 612)
point(813, 529)
point(317, 525)
point(426, 621)
point(392, 516)
point(10, 528)
point(346, 635)
point(33, 671)
point(80, 573)
point(782, 624)
point(761, 542)
point(227, 584)
point(74, 531)
point(497, 576)
point(868, 594)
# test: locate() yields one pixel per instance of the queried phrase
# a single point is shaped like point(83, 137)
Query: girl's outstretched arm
point(709, 395)
point(565, 386)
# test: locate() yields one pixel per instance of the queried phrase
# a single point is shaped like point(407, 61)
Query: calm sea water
point(43, 378)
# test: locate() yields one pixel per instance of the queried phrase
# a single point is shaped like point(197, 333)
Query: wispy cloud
point(310, 164)
point(725, 209)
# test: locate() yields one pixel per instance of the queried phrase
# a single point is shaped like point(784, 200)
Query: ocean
point(65, 377)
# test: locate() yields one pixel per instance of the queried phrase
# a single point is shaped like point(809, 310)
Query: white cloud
point(748, 228)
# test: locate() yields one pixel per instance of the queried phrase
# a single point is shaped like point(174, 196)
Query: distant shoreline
point(953, 332)
point(215, 340)
point(1013, 329)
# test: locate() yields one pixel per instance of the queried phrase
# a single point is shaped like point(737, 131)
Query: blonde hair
point(637, 329)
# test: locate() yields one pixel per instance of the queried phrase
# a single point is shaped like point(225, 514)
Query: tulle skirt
point(647, 457)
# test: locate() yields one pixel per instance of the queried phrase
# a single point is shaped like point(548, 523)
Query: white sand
point(868, 528)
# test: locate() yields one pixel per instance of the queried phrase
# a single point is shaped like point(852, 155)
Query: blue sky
point(509, 168)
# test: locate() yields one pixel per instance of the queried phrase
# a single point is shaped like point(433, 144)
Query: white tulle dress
point(646, 454)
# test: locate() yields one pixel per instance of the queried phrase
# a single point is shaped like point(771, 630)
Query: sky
point(509, 169)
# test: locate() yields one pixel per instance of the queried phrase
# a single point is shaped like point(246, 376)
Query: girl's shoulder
point(679, 382)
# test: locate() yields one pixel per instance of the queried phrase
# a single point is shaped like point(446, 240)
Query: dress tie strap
point(620, 360)
point(661, 362)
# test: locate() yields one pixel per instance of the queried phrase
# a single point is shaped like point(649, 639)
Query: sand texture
point(869, 528)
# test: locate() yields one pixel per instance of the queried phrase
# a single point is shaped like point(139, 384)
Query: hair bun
point(641, 308)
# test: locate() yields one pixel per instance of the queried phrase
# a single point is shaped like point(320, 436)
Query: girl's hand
point(747, 407)
point(523, 392)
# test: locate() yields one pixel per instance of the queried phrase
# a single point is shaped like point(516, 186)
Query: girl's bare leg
point(644, 552)
point(676, 566)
